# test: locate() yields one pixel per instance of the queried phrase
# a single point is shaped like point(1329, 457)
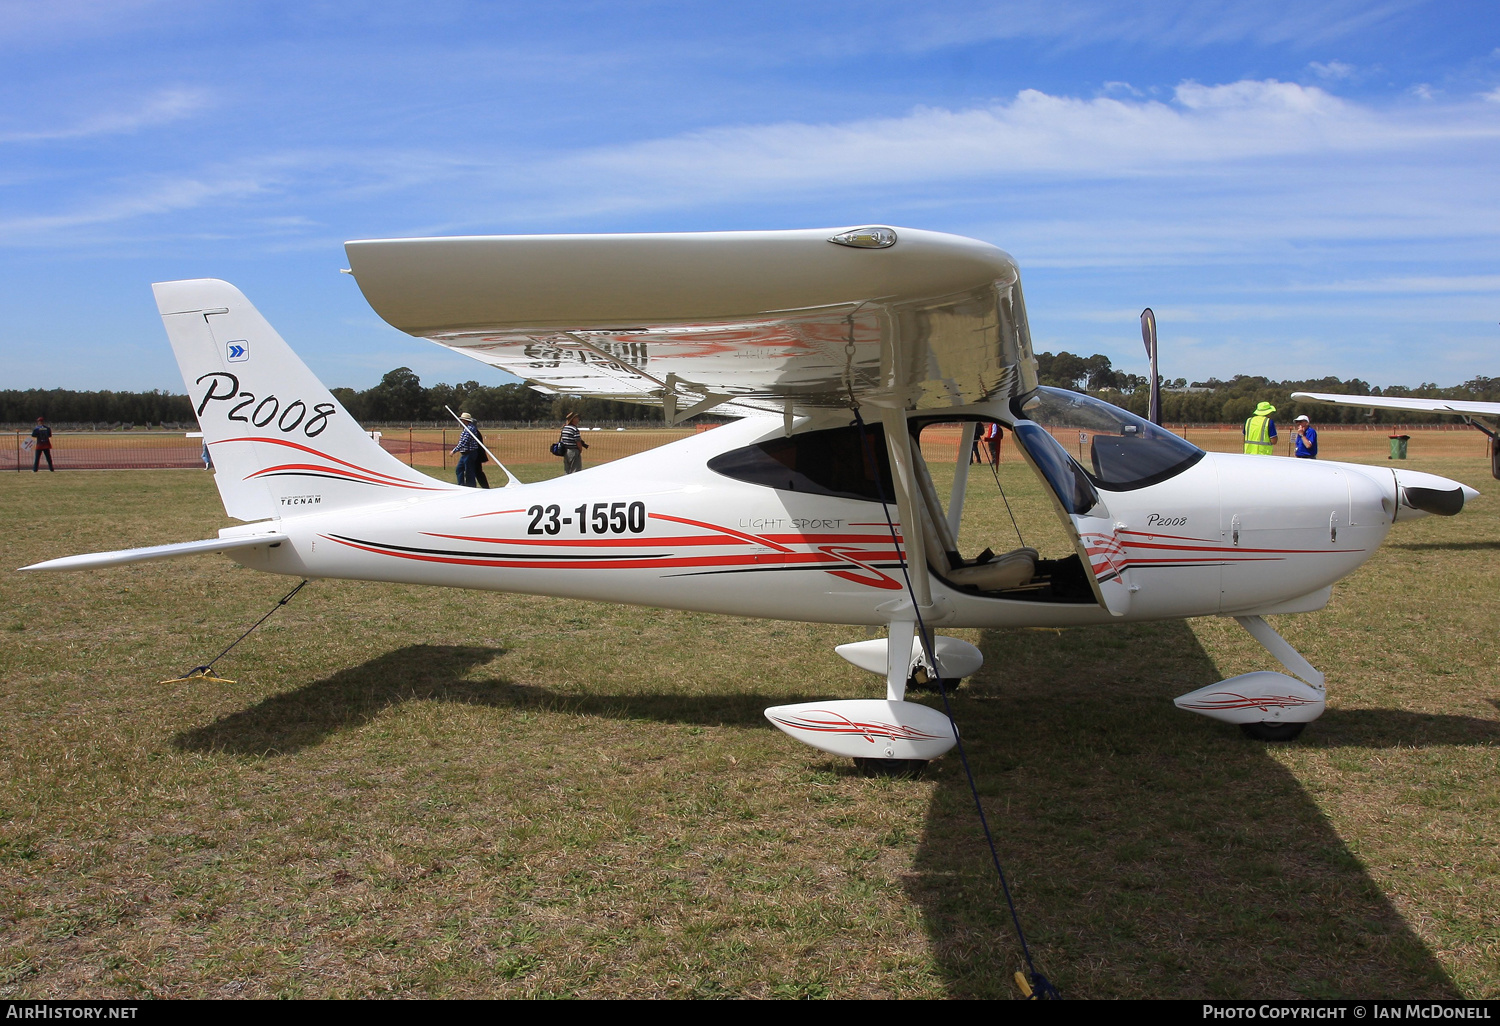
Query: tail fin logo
point(225, 387)
point(239, 351)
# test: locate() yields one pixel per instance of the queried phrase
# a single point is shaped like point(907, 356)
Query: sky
point(1298, 189)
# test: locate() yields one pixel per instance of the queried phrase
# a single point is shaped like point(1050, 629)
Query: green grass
point(421, 792)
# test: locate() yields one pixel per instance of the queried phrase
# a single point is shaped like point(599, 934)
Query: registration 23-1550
point(601, 518)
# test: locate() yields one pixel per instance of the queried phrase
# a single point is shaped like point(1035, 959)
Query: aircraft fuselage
point(1230, 534)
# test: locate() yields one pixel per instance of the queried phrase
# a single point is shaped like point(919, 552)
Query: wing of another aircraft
point(745, 322)
point(1377, 402)
point(1468, 409)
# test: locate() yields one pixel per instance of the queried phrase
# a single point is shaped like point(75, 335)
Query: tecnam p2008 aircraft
point(836, 348)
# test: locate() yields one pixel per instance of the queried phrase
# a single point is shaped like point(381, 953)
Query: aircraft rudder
point(282, 444)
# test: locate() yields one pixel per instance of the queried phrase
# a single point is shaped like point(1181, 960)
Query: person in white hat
point(1307, 438)
point(468, 452)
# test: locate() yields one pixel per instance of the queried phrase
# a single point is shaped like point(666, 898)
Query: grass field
point(416, 792)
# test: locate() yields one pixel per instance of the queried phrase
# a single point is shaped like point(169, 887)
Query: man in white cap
point(1307, 439)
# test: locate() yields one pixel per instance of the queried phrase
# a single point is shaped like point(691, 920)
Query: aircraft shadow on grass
point(1473, 546)
point(287, 723)
point(1150, 852)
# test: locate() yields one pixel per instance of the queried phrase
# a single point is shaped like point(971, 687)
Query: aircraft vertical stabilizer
point(281, 443)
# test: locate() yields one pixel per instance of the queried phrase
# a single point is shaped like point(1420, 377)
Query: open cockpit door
point(952, 539)
point(1125, 453)
point(1083, 513)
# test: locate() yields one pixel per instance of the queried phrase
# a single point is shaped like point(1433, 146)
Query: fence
point(142, 450)
point(106, 450)
point(430, 448)
point(169, 450)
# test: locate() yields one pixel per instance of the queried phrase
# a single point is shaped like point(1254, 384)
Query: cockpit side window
point(829, 462)
point(1125, 451)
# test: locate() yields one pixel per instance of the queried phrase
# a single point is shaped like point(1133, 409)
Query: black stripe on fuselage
point(498, 555)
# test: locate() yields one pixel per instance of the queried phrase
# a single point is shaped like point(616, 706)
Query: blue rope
point(1041, 988)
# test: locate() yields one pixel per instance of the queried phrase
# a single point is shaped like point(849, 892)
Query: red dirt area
point(99, 450)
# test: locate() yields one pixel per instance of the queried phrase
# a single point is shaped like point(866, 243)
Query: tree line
point(64, 406)
point(401, 398)
point(1231, 402)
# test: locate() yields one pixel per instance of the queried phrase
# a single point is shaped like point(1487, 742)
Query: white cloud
point(157, 198)
point(1438, 284)
point(161, 108)
point(1258, 170)
point(1332, 71)
point(1166, 23)
point(272, 193)
point(1036, 135)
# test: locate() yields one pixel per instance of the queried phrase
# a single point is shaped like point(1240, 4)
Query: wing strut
point(898, 444)
point(961, 477)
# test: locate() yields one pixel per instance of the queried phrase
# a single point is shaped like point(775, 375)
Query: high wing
point(780, 322)
point(1458, 408)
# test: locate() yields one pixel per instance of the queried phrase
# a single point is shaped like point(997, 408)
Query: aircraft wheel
point(930, 685)
point(906, 769)
point(1273, 731)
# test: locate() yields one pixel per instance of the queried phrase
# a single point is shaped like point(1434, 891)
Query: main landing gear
point(900, 769)
point(1272, 731)
point(888, 737)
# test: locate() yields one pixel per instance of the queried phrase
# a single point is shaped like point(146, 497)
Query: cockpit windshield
point(1125, 451)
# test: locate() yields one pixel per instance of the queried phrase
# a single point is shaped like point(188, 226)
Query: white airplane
point(837, 348)
point(1476, 413)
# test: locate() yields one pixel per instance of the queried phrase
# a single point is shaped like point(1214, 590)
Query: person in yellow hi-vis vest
point(1260, 431)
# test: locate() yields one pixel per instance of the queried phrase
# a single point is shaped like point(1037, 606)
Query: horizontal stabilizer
point(120, 556)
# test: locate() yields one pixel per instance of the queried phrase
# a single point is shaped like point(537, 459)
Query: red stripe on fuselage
point(756, 539)
point(1204, 545)
point(1235, 548)
point(692, 539)
point(596, 542)
point(747, 560)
